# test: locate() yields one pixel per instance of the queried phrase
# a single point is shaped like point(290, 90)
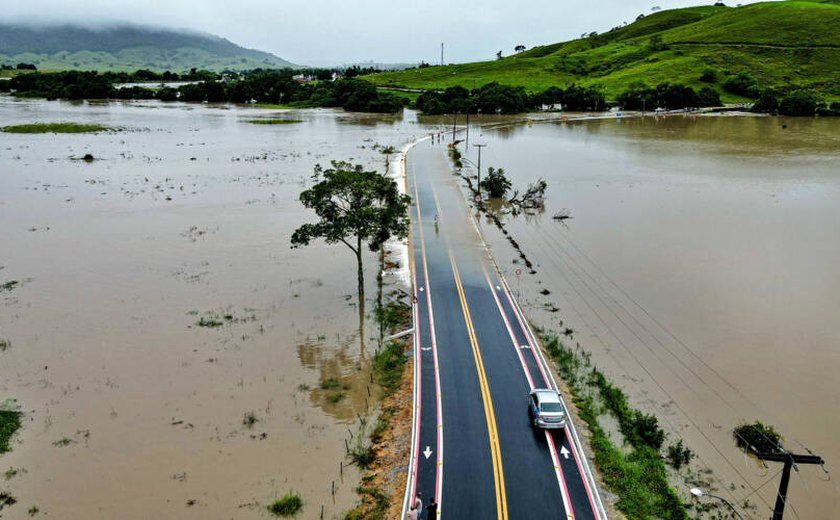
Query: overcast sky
point(324, 32)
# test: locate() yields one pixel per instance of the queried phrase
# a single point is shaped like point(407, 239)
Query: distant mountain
point(125, 47)
point(788, 44)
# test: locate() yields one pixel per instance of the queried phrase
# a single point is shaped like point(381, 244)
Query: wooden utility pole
point(478, 185)
point(790, 460)
point(454, 121)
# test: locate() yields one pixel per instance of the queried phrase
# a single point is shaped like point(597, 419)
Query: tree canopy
point(355, 207)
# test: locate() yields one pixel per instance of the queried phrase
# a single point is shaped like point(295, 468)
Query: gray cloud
point(339, 31)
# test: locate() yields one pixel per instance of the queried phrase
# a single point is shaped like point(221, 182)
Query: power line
point(636, 359)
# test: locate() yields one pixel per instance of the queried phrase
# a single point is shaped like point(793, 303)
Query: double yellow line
point(489, 414)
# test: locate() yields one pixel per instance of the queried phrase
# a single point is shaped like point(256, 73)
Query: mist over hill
point(125, 47)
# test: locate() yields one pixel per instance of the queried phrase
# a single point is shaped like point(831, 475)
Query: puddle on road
point(168, 347)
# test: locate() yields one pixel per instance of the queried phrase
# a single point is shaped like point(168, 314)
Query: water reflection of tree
point(337, 362)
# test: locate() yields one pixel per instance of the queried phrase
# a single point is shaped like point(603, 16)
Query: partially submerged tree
point(532, 198)
point(355, 207)
point(496, 184)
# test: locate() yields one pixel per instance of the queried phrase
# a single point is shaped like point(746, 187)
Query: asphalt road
point(474, 447)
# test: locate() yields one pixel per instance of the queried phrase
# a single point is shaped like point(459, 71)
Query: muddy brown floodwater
point(701, 269)
point(133, 409)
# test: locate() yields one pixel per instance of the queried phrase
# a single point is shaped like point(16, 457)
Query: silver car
point(546, 409)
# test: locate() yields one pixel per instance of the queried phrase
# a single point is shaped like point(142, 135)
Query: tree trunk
point(361, 271)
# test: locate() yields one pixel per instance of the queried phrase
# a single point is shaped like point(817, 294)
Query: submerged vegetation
point(10, 422)
point(55, 128)
point(758, 437)
point(634, 470)
point(274, 121)
point(288, 505)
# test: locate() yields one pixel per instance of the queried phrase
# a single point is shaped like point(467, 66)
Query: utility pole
point(441, 54)
point(467, 144)
point(454, 121)
point(479, 146)
point(790, 460)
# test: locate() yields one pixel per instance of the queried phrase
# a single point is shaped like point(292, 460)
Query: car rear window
point(551, 407)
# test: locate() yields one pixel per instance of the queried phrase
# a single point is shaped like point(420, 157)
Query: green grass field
point(54, 128)
point(788, 44)
point(273, 121)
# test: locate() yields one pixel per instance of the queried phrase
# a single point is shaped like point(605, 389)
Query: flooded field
point(701, 269)
point(163, 342)
point(174, 357)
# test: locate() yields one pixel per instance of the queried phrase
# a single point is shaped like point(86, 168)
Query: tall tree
point(355, 207)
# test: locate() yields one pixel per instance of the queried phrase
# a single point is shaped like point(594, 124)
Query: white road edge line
point(555, 459)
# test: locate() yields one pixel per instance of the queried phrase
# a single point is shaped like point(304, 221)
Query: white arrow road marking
point(428, 452)
point(525, 347)
point(563, 451)
point(421, 289)
point(425, 349)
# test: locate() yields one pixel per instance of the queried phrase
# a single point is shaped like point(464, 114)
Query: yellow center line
point(489, 414)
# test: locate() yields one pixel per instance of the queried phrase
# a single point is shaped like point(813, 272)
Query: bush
point(758, 437)
point(665, 95)
point(709, 76)
point(742, 84)
point(708, 97)
point(678, 455)
point(799, 103)
point(646, 428)
point(767, 102)
point(9, 424)
point(289, 505)
point(388, 366)
point(495, 183)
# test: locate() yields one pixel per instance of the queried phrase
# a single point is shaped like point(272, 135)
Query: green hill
point(788, 44)
point(125, 47)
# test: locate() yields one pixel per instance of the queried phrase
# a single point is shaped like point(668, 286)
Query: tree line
point(285, 87)
point(260, 86)
point(504, 99)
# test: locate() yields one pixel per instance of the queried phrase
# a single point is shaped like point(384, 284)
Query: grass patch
point(388, 366)
point(210, 322)
point(63, 442)
point(393, 314)
point(55, 128)
point(637, 476)
point(380, 505)
point(274, 121)
point(362, 454)
point(410, 96)
point(289, 505)
point(335, 397)
point(382, 424)
point(6, 500)
point(332, 383)
point(272, 106)
point(249, 420)
point(10, 422)
point(213, 320)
